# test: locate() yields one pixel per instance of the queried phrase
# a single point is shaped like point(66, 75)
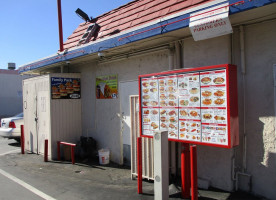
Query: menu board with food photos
point(193, 105)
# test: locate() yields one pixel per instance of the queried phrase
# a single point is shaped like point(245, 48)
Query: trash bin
point(104, 156)
point(88, 147)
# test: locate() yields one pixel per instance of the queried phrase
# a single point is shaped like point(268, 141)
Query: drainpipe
point(178, 63)
point(60, 26)
point(62, 69)
point(244, 164)
point(171, 57)
point(172, 144)
point(175, 145)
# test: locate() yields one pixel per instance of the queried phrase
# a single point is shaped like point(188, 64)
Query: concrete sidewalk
point(89, 180)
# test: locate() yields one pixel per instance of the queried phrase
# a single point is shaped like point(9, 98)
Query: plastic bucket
point(104, 156)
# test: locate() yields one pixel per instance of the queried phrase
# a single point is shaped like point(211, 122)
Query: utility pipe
point(243, 68)
point(60, 26)
point(177, 55)
point(62, 69)
point(242, 49)
point(171, 57)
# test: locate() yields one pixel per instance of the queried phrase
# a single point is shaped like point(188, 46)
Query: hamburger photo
point(218, 80)
point(76, 85)
point(163, 96)
point(163, 119)
point(161, 83)
point(55, 93)
point(170, 82)
point(205, 80)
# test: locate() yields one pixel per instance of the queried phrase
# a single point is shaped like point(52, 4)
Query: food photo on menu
point(149, 103)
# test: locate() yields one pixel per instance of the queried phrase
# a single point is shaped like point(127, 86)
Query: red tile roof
point(130, 15)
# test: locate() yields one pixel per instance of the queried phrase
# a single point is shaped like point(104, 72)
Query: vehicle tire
point(17, 140)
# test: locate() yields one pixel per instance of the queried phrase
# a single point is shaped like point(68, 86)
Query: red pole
point(139, 164)
point(185, 170)
point(46, 151)
point(22, 140)
point(73, 154)
point(194, 192)
point(60, 26)
point(58, 150)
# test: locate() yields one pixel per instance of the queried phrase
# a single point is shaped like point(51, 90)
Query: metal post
point(139, 165)
point(193, 152)
point(46, 151)
point(22, 140)
point(60, 26)
point(185, 170)
point(73, 154)
point(58, 150)
point(161, 165)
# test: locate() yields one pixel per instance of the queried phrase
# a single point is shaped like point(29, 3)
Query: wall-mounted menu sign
point(193, 105)
point(65, 88)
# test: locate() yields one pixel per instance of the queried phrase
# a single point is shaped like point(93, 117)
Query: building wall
point(100, 117)
point(256, 113)
point(260, 52)
point(10, 95)
point(66, 125)
point(214, 164)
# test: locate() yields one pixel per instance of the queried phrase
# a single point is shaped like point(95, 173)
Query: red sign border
point(232, 99)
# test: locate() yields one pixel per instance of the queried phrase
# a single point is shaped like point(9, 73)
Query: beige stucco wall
point(260, 45)
point(10, 95)
point(100, 117)
point(214, 164)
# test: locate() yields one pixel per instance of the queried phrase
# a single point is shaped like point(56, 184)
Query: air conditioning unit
point(11, 66)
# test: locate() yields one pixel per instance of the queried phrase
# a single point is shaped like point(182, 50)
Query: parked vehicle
point(10, 127)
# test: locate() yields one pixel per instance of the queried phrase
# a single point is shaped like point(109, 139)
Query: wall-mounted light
point(84, 16)
point(101, 54)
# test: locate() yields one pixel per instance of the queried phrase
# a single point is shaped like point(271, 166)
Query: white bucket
point(104, 156)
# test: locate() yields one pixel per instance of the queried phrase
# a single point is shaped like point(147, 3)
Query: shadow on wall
point(260, 156)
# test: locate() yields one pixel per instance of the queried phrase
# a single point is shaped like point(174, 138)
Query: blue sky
point(29, 28)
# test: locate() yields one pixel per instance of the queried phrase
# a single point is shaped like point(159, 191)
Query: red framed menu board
point(197, 105)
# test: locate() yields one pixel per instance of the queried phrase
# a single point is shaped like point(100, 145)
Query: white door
point(29, 106)
point(43, 125)
point(126, 89)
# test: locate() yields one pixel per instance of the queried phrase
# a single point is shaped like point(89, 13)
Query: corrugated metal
point(58, 119)
point(65, 118)
point(31, 89)
point(147, 143)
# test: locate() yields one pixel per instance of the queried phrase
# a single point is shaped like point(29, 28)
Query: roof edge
point(115, 40)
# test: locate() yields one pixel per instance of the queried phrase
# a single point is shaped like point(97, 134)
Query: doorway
point(126, 89)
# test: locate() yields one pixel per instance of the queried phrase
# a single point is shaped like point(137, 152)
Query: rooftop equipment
point(92, 31)
point(85, 17)
point(11, 66)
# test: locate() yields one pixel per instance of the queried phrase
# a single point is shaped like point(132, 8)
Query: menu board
point(191, 106)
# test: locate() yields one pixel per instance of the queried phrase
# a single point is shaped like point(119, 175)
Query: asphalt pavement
point(29, 177)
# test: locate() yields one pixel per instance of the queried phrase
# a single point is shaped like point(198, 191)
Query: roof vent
point(92, 31)
point(11, 66)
